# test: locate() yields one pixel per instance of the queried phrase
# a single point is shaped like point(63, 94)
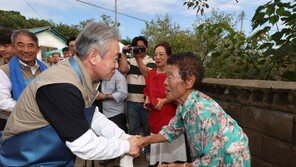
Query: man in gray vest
point(48, 124)
point(22, 68)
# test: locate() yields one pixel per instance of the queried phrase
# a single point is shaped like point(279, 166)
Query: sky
point(72, 11)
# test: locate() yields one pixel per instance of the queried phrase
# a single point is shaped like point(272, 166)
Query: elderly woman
point(161, 111)
point(215, 139)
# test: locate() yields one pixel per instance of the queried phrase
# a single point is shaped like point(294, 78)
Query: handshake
point(137, 143)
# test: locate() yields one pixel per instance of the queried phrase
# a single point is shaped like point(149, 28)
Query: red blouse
point(155, 89)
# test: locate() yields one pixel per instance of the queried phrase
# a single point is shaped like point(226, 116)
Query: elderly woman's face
point(175, 86)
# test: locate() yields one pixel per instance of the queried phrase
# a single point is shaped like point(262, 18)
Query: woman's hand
point(160, 103)
point(147, 104)
point(143, 141)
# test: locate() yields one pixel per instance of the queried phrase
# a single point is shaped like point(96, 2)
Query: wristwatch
point(106, 96)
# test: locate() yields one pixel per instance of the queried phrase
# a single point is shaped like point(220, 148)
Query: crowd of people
point(97, 103)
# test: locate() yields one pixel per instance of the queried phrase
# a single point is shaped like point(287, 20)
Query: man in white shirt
point(49, 117)
point(136, 70)
point(22, 68)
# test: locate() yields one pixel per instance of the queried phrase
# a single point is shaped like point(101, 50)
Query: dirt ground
point(138, 162)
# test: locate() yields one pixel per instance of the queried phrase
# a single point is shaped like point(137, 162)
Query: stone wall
point(266, 110)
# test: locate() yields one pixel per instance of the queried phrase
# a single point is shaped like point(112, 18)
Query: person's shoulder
point(119, 75)
point(1, 61)
point(5, 68)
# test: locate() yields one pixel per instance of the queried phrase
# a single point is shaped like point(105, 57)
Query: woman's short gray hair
point(95, 36)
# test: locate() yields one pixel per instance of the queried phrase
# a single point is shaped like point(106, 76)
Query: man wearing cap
point(6, 50)
point(21, 69)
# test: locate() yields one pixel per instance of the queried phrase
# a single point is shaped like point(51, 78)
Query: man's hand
point(125, 49)
point(100, 96)
point(134, 148)
point(143, 142)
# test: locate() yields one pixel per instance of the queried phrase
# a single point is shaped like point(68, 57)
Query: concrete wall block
point(292, 160)
point(251, 119)
point(255, 142)
point(275, 124)
point(256, 162)
point(275, 152)
point(232, 109)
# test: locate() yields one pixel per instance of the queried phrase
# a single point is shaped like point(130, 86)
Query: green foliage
point(15, 20)
point(228, 53)
point(127, 41)
point(199, 5)
point(159, 30)
point(107, 20)
point(278, 52)
point(66, 30)
point(221, 50)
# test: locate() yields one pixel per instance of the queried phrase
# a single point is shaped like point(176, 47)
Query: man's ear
point(94, 57)
point(38, 48)
point(190, 81)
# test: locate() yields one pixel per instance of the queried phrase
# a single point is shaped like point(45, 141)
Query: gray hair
point(96, 36)
point(24, 32)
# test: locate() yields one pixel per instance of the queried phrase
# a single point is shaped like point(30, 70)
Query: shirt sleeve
point(174, 129)
point(6, 101)
point(102, 126)
point(62, 105)
point(121, 89)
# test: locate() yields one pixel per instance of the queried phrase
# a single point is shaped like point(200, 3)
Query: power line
point(33, 9)
point(112, 11)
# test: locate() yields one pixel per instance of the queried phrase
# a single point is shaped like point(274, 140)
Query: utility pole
point(116, 13)
point(242, 20)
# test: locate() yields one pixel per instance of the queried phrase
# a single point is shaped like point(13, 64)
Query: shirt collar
point(188, 105)
point(33, 69)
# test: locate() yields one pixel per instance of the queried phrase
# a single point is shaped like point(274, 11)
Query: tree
point(161, 29)
point(278, 56)
point(15, 20)
point(263, 55)
point(199, 4)
point(66, 30)
point(107, 20)
point(221, 47)
point(82, 24)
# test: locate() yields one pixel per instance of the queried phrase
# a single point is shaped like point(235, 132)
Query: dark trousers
point(120, 121)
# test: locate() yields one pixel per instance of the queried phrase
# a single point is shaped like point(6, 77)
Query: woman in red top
point(161, 110)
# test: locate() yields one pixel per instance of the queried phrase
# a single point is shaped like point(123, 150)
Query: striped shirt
point(136, 81)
